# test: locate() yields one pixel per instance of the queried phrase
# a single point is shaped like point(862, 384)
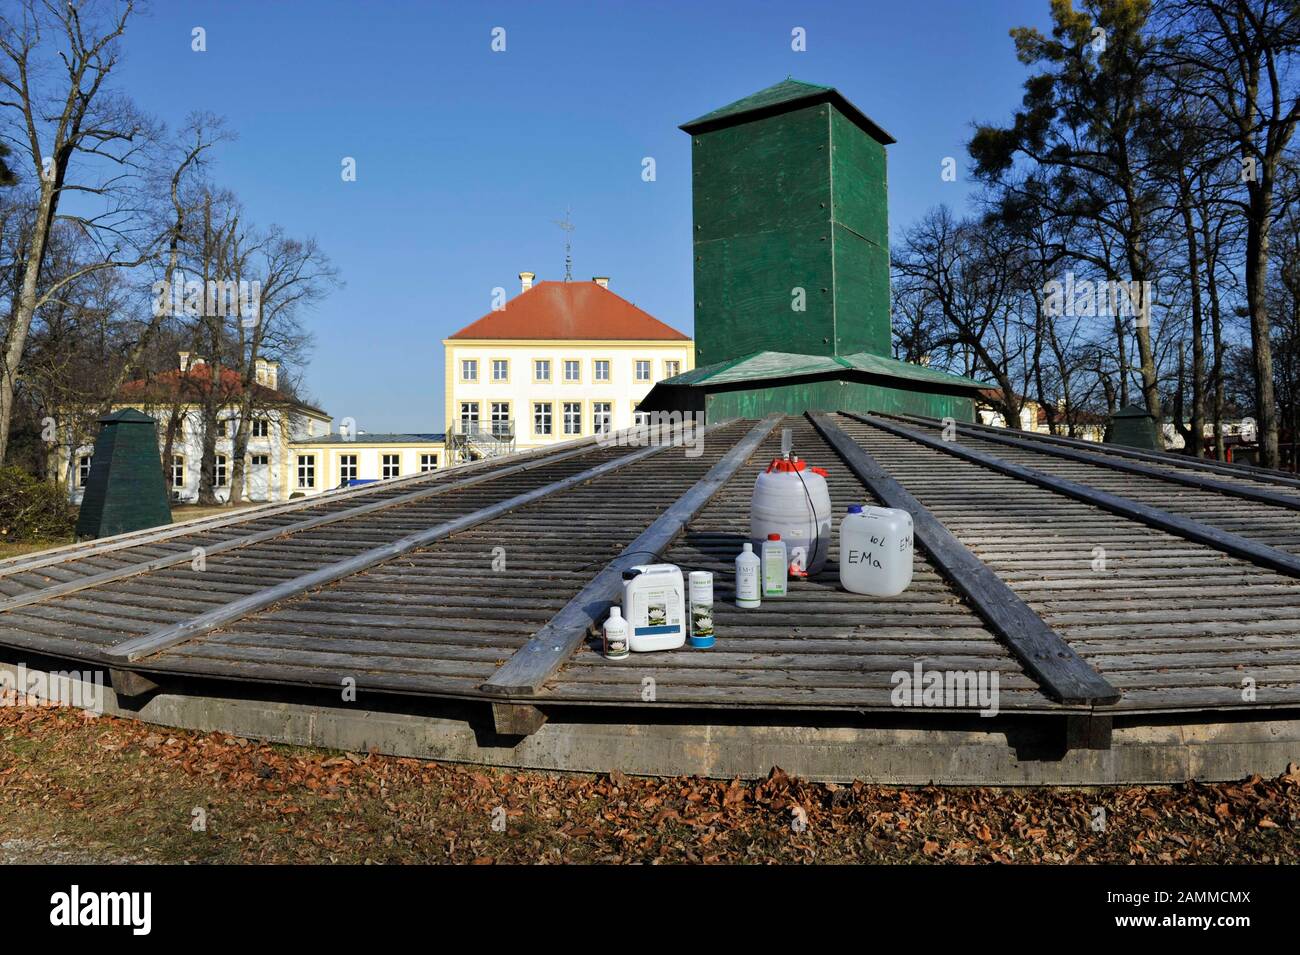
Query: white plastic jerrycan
point(792, 499)
point(876, 551)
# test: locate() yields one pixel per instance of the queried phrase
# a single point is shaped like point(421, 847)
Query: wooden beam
point(130, 683)
point(1267, 475)
point(235, 543)
point(517, 719)
point(1088, 731)
point(140, 647)
point(154, 535)
point(551, 647)
point(1060, 672)
point(1260, 495)
point(1215, 537)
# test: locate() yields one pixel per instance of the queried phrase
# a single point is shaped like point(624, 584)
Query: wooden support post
point(1088, 730)
point(550, 648)
point(1062, 673)
point(517, 719)
point(130, 682)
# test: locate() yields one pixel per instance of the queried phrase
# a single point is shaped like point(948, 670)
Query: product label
point(656, 611)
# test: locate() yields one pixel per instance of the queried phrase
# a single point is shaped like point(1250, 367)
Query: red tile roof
point(191, 385)
point(571, 310)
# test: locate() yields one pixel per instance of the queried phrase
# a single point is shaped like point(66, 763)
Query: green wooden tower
point(125, 490)
point(791, 254)
point(791, 226)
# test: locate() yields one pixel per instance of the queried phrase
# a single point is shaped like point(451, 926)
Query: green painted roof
point(127, 416)
point(784, 96)
point(767, 365)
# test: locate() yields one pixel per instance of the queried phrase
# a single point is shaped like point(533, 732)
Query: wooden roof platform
point(1093, 581)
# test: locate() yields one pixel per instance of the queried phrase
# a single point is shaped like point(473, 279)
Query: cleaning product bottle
point(748, 571)
point(775, 568)
point(616, 647)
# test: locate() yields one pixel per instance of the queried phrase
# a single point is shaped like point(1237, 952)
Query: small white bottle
point(775, 568)
point(616, 645)
point(748, 570)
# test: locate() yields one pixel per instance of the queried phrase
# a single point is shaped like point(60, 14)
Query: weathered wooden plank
point(1063, 674)
point(212, 550)
point(138, 649)
point(1214, 537)
point(538, 659)
point(1242, 471)
point(1093, 458)
point(260, 513)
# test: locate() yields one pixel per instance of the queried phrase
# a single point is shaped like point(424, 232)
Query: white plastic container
point(876, 551)
point(792, 499)
point(775, 566)
point(655, 601)
point(615, 635)
point(749, 573)
point(700, 588)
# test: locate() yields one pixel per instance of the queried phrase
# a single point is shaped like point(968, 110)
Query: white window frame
point(573, 365)
point(84, 463)
point(390, 465)
point(469, 370)
point(347, 468)
point(497, 417)
point(599, 364)
point(221, 473)
point(543, 418)
point(178, 471)
point(428, 462)
point(306, 468)
point(501, 370)
point(602, 422)
point(571, 416)
point(542, 364)
point(645, 365)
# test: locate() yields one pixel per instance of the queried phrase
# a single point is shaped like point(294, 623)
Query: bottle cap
point(774, 537)
point(748, 548)
point(615, 613)
point(855, 508)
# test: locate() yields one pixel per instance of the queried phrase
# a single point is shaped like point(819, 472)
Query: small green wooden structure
point(1134, 427)
point(791, 248)
point(125, 490)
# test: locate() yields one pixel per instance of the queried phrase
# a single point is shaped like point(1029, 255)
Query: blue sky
point(465, 157)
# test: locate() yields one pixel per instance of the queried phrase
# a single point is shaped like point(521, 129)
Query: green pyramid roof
point(789, 94)
point(771, 364)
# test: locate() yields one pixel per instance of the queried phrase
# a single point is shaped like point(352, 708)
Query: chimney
point(601, 280)
point(185, 360)
point(273, 375)
point(526, 280)
point(259, 370)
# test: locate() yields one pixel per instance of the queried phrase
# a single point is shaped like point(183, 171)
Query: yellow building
point(342, 459)
point(558, 361)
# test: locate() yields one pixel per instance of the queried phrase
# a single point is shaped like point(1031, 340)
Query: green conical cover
point(1134, 427)
point(125, 490)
